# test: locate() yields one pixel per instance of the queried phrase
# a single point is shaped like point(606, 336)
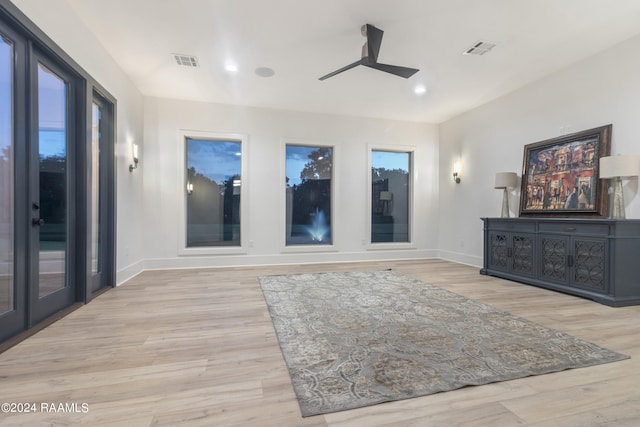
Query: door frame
point(95, 284)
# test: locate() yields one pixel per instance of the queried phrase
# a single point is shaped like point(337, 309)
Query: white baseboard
point(472, 260)
point(129, 272)
point(187, 262)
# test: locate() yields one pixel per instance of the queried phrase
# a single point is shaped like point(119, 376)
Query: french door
point(37, 198)
point(56, 185)
point(49, 174)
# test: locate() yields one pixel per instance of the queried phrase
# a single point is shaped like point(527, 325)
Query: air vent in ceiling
point(480, 48)
point(186, 60)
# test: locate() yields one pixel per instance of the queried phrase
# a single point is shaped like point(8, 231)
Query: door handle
point(37, 221)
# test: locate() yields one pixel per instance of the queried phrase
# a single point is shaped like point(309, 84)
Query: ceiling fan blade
point(374, 40)
point(348, 67)
point(405, 72)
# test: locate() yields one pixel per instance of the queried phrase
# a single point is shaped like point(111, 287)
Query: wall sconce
point(134, 152)
point(617, 167)
point(506, 180)
point(237, 183)
point(385, 198)
point(189, 188)
point(456, 172)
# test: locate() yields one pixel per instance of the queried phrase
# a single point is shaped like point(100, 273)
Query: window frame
point(411, 150)
point(183, 250)
point(306, 248)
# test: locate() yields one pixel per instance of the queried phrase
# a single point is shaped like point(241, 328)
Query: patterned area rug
point(357, 339)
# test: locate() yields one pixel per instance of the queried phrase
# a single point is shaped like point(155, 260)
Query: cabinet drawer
point(512, 226)
point(573, 228)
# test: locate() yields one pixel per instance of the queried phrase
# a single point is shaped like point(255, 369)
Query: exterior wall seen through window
point(213, 192)
point(390, 196)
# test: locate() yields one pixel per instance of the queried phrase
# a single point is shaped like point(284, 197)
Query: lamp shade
point(385, 195)
point(616, 166)
point(506, 180)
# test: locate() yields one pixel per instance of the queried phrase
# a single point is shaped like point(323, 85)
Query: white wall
point(600, 90)
point(263, 183)
point(597, 91)
point(60, 23)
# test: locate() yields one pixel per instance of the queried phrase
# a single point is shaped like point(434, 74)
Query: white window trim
point(283, 201)
point(411, 149)
point(183, 134)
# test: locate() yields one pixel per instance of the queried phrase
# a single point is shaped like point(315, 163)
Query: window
point(213, 187)
point(390, 196)
point(308, 195)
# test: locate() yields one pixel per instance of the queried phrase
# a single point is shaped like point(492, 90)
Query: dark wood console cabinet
point(597, 259)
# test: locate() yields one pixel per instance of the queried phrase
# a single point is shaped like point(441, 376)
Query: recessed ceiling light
point(265, 71)
point(231, 67)
point(420, 89)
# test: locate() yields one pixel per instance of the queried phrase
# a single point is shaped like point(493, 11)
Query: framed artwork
point(560, 176)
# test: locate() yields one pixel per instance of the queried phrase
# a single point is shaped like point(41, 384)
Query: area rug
point(358, 339)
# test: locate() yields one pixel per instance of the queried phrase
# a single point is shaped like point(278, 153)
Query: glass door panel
point(96, 264)
point(7, 303)
point(50, 212)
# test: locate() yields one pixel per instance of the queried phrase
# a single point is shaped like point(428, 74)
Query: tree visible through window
point(213, 192)
point(308, 195)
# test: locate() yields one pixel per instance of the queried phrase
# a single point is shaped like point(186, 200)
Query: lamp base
point(617, 210)
point(505, 204)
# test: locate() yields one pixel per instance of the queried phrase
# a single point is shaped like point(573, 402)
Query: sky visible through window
point(217, 160)
point(52, 104)
point(390, 160)
point(297, 157)
point(52, 143)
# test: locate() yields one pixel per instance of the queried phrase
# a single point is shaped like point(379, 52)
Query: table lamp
point(617, 167)
point(506, 180)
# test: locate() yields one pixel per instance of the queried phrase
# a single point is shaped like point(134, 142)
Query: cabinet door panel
point(498, 251)
point(589, 264)
point(553, 259)
point(522, 254)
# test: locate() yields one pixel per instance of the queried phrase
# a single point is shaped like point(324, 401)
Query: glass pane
point(308, 195)
point(390, 196)
point(52, 150)
point(6, 177)
point(95, 189)
point(213, 193)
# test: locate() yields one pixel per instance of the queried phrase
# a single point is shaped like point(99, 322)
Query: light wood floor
point(197, 347)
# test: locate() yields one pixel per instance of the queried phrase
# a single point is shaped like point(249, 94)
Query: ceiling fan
point(370, 56)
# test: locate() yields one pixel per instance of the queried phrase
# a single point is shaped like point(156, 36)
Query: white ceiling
point(302, 40)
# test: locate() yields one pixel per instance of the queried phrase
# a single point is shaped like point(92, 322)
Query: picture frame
point(561, 176)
